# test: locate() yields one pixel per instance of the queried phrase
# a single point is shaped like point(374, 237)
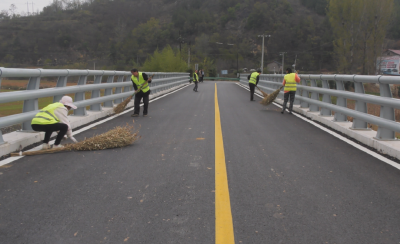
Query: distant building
point(388, 63)
point(274, 67)
point(391, 52)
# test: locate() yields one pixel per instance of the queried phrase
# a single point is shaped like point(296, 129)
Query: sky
point(21, 5)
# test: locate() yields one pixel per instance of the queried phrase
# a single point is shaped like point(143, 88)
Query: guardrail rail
point(122, 85)
point(309, 96)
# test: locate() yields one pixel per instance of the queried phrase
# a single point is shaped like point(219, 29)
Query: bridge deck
point(288, 181)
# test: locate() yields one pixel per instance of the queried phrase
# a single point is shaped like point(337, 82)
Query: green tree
point(319, 6)
point(231, 14)
point(258, 16)
point(165, 61)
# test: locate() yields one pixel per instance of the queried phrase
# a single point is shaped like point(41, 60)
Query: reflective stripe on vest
point(253, 78)
point(140, 82)
point(290, 84)
point(195, 77)
point(46, 116)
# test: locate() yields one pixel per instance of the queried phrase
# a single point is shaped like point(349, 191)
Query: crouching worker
point(53, 118)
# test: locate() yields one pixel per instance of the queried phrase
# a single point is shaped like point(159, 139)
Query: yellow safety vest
point(253, 78)
point(46, 116)
point(290, 84)
point(195, 77)
point(140, 82)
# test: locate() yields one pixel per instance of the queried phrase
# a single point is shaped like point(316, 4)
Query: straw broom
point(115, 138)
point(263, 93)
point(267, 100)
point(121, 107)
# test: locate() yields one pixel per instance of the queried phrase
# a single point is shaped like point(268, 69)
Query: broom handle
point(46, 151)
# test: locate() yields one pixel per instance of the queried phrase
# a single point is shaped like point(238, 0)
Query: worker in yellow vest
point(195, 80)
point(140, 81)
point(54, 117)
point(290, 82)
point(253, 82)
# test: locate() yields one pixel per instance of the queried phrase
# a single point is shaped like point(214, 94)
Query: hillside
point(120, 34)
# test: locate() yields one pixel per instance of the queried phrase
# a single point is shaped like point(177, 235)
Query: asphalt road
point(289, 182)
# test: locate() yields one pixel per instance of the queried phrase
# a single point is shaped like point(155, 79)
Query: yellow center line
point(223, 215)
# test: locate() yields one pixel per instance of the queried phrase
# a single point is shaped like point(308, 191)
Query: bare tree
point(12, 9)
point(120, 31)
point(4, 15)
point(359, 28)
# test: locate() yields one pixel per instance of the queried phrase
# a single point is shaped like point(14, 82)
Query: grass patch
point(18, 85)
point(11, 108)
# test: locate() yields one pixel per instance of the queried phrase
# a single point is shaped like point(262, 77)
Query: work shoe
point(58, 146)
point(135, 115)
point(290, 113)
point(144, 115)
point(45, 146)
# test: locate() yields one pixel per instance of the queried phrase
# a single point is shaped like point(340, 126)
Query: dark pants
point(195, 86)
point(49, 129)
point(292, 94)
point(201, 79)
point(139, 97)
point(252, 89)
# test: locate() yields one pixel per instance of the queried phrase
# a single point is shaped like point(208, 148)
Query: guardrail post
point(96, 93)
point(108, 92)
point(279, 80)
point(61, 82)
point(360, 107)
point(386, 113)
point(1, 138)
point(119, 89)
point(31, 104)
point(128, 89)
point(80, 96)
point(340, 101)
point(304, 93)
point(315, 96)
point(326, 99)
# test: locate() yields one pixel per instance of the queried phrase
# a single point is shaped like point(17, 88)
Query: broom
point(121, 107)
point(267, 100)
point(263, 93)
point(115, 138)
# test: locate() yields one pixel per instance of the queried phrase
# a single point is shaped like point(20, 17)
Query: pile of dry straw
point(121, 107)
point(115, 138)
point(268, 99)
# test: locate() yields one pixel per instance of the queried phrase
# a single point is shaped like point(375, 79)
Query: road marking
point(12, 159)
point(223, 214)
point(364, 149)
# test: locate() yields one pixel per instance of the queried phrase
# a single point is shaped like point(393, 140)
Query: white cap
point(67, 101)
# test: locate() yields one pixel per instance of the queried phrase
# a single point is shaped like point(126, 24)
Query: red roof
point(395, 51)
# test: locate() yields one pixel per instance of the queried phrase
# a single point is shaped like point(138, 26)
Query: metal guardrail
point(309, 97)
point(123, 87)
point(221, 78)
